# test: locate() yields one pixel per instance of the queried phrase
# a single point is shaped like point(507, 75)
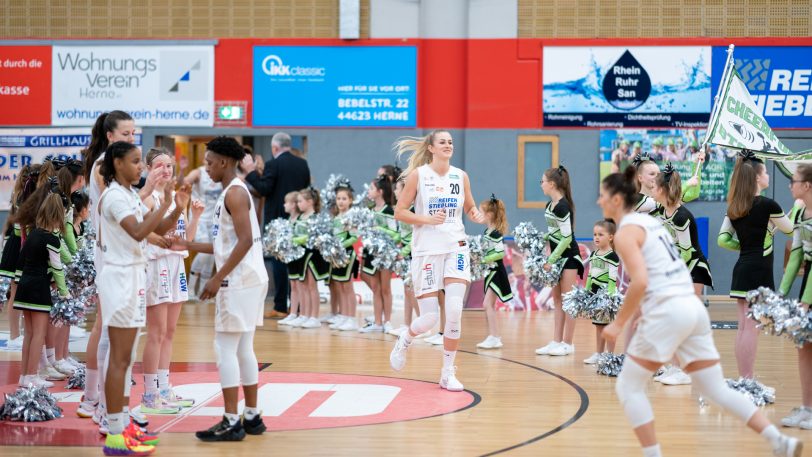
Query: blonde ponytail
point(419, 148)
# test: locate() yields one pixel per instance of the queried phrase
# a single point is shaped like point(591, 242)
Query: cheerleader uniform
point(647, 205)
point(801, 254)
point(754, 268)
point(41, 263)
point(166, 272)
point(560, 236)
point(497, 278)
point(385, 222)
point(313, 259)
point(297, 267)
point(602, 273)
point(682, 227)
point(12, 243)
point(350, 271)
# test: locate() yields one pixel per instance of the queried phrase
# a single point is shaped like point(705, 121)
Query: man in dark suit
point(284, 173)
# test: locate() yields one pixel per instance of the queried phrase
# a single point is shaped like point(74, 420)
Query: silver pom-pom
point(30, 404)
point(5, 284)
point(77, 379)
point(328, 192)
point(322, 238)
point(757, 392)
point(609, 364)
point(382, 248)
point(362, 220)
point(477, 248)
point(67, 310)
point(780, 316)
point(403, 268)
point(527, 236)
point(362, 200)
point(278, 241)
point(537, 275)
point(577, 302)
point(604, 306)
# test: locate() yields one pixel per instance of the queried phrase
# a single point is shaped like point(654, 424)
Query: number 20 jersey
point(435, 193)
point(667, 274)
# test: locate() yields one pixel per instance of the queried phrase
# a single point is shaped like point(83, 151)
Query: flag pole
point(715, 110)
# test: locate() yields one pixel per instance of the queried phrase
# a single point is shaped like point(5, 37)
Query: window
point(537, 153)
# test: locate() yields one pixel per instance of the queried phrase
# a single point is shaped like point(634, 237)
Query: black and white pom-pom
point(609, 364)
point(5, 284)
point(328, 192)
point(476, 251)
point(278, 241)
point(30, 404)
point(757, 392)
point(604, 306)
point(576, 302)
point(780, 316)
point(322, 238)
point(77, 379)
point(66, 310)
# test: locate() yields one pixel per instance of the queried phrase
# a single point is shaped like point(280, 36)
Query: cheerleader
point(603, 267)
point(560, 215)
point(239, 288)
point(378, 279)
point(645, 181)
point(167, 290)
point(341, 278)
point(315, 268)
point(497, 284)
point(674, 322)
point(748, 228)
point(41, 262)
point(409, 300)
point(122, 282)
point(440, 194)
point(295, 267)
point(12, 242)
point(801, 188)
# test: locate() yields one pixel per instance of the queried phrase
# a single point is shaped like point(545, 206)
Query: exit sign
point(230, 113)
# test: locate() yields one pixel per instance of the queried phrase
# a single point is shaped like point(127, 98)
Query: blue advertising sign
point(335, 86)
point(778, 77)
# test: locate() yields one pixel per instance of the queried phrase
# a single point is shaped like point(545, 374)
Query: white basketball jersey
point(251, 269)
point(153, 252)
point(93, 194)
point(667, 274)
point(435, 193)
point(117, 246)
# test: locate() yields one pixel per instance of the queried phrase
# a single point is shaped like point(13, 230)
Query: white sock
point(92, 385)
point(151, 383)
point(250, 413)
point(163, 378)
point(448, 358)
point(50, 355)
point(771, 433)
point(43, 359)
point(232, 418)
point(116, 422)
point(652, 451)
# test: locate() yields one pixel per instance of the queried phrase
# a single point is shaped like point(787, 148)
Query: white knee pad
point(102, 361)
point(454, 296)
point(128, 385)
point(710, 383)
point(249, 369)
point(429, 315)
point(225, 348)
point(631, 391)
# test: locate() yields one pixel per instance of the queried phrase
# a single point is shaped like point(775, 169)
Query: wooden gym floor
point(517, 403)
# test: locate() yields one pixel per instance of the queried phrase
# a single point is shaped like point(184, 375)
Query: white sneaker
point(298, 321)
point(371, 328)
point(311, 322)
point(16, 344)
point(97, 414)
point(592, 360)
point(397, 331)
point(545, 350)
point(288, 319)
point(436, 340)
point(64, 367)
point(49, 373)
point(370, 319)
point(103, 427)
point(75, 363)
point(349, 325)
point(397, 358)
point(329, 318)
point(337, 322)
point(562, 349)
point(491, 342)
point(139, 418)
point(788, 446)
point(387, 327)
point(86, 409)
point(423, 335)
point(36, 381)
point(449, 381)
point(77, 333)
point(676, 378)
point(796, 416)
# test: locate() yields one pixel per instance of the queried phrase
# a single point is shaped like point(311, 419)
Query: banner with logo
point(25, 85)
point(335, 86)
point(678, 146)
point(779, 78)
point(615, 87)
point(21, 147)
point(157, 85)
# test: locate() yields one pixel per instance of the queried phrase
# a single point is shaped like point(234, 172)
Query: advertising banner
point(779, 78)
point(678, 146)
point(21, 147)
point(25, 85)
point(335, 86)
point(643, 86)
point(157, 85)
